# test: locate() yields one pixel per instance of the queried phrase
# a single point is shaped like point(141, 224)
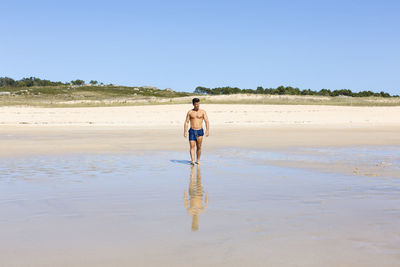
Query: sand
point(27, 130)
point(285, 186)
point(172, 116)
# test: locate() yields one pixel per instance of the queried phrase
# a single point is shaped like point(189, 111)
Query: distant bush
point(285, 90)
point(78, 82)
point(26, 82)
point(280, 90)
point(33, 81)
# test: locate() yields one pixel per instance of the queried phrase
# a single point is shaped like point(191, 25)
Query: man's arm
point(207, 123)
point(185, 126)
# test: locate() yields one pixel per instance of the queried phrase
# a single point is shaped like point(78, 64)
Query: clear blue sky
point(184, 44)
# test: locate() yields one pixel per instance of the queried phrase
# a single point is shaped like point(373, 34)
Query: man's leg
point(192, 144)
point(198, 143)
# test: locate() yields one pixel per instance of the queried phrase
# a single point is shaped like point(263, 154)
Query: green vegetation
point(27, 82)
point(78, 82)
point(37, 92)
point(286, 90)
point(301, 100)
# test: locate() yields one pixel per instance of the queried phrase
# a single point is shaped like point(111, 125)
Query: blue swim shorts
point(193, 134)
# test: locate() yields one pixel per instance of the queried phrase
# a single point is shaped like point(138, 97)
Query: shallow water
point(154, 209)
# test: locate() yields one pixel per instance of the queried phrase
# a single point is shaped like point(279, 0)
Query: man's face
point(196, 105)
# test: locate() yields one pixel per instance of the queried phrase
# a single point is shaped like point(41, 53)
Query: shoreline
point(31, 140)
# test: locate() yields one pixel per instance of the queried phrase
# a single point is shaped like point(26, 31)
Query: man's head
point(196, 102)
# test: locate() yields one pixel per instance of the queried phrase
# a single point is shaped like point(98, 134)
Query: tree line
point(280, 90)
point(286, 90)
point(33, 81)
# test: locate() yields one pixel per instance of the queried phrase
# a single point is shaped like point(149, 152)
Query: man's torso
point(196, 119)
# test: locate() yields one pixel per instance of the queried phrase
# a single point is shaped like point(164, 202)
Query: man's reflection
point(194, 204)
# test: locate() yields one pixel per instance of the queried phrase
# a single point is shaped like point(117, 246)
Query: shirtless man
point(196, 117)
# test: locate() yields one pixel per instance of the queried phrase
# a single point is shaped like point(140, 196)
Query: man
point(196, 116)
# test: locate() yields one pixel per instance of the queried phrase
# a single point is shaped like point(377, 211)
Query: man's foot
point(198, 162)
point(192, 162)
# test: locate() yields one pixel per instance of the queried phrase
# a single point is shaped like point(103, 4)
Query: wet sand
point(33, 140)
point(153, 209)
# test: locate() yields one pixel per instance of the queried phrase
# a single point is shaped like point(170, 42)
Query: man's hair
point(194, 100)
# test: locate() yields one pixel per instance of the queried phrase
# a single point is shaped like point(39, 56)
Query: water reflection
point(194, 202)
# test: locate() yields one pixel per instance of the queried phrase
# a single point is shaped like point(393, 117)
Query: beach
point(279, 185)
point(110, 129)
point(101, 111)
point(225, 115)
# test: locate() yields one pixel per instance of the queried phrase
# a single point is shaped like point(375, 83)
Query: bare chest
point(196, 115)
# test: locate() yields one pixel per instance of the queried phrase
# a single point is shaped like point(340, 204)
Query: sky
point(184, 44)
